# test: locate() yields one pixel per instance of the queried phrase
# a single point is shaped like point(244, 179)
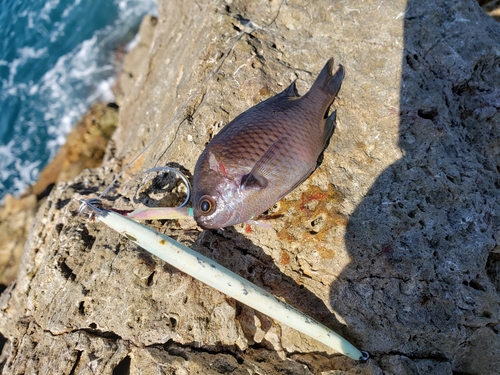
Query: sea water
point(56, 58)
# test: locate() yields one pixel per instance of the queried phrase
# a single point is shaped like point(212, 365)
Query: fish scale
point(264, 153)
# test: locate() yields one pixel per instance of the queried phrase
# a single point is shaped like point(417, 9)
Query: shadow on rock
point(237, 253)
point(418, 284)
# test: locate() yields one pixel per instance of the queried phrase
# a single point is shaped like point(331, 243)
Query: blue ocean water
point(56, 58)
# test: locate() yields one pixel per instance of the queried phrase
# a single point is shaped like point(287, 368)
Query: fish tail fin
point(328, 82)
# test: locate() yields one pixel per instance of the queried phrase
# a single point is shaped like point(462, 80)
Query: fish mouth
point(215, 222)
point(219, 219)
point(206, 223)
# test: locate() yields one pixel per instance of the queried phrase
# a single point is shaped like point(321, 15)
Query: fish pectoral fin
point(254, 180)
point(264, 168)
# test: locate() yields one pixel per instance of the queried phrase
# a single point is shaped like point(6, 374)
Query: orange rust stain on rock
point(326, 253)
point(311, 219)
point(264, 91)
point(285, 236)
point(307, 198)
point(284, 258)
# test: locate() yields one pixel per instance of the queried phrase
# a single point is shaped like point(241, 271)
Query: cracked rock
point(393, 241)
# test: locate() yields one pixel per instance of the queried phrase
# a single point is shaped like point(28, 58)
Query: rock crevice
point(393, 241)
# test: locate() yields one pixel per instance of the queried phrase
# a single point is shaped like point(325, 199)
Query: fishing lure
point(211, 273)
point(204, 269)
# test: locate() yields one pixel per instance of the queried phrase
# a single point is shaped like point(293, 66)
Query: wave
point(60, 65)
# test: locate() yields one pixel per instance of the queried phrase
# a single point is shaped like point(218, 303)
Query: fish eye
point(207, 205)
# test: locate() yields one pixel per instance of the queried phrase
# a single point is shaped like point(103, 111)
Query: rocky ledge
point(84, 148)
point(394, 241)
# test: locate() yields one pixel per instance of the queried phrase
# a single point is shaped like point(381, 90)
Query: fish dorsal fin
point(291, 91)
point(263, 169)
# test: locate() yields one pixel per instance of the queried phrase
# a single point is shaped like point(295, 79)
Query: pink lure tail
point(151, 213)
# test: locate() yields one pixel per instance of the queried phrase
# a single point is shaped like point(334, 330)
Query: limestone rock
point(393, 241)
point(16, 217)
point(135, 61)
point(84, 148)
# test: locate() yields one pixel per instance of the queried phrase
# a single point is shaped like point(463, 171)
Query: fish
point(265, 153)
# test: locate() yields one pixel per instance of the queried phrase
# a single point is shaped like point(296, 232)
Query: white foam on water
point(58, 31)
point(31, 24)
point(104, 91)
point(130, 45)
point(24, 54)
point(63, 94)
point(29, 170)
point(47, 8)
point(7, 156)
point(70, 8)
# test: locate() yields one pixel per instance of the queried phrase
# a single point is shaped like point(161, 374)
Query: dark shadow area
point(3, 341)
point(237, 253)
point(419, 241)
point(123, 368)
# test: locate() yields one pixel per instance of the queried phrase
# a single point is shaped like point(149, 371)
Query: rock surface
point(84, 148)
point(394, 241)
point(135, 62)
point(16, 217)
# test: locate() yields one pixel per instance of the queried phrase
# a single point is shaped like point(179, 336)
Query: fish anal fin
point(330, 124)
point(327, 135)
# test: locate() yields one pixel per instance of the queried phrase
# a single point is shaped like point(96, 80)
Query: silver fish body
point(264, 153)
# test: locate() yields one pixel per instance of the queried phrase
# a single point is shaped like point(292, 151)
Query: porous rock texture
point(394, 241)
point(84, 148)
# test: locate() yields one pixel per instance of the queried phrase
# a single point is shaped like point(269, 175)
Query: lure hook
point(365, 356)
point(92, 206)
point(95, 208)
point(180, 175)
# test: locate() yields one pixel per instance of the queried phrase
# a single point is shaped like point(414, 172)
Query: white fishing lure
point(213, 274)
point(200, 267)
